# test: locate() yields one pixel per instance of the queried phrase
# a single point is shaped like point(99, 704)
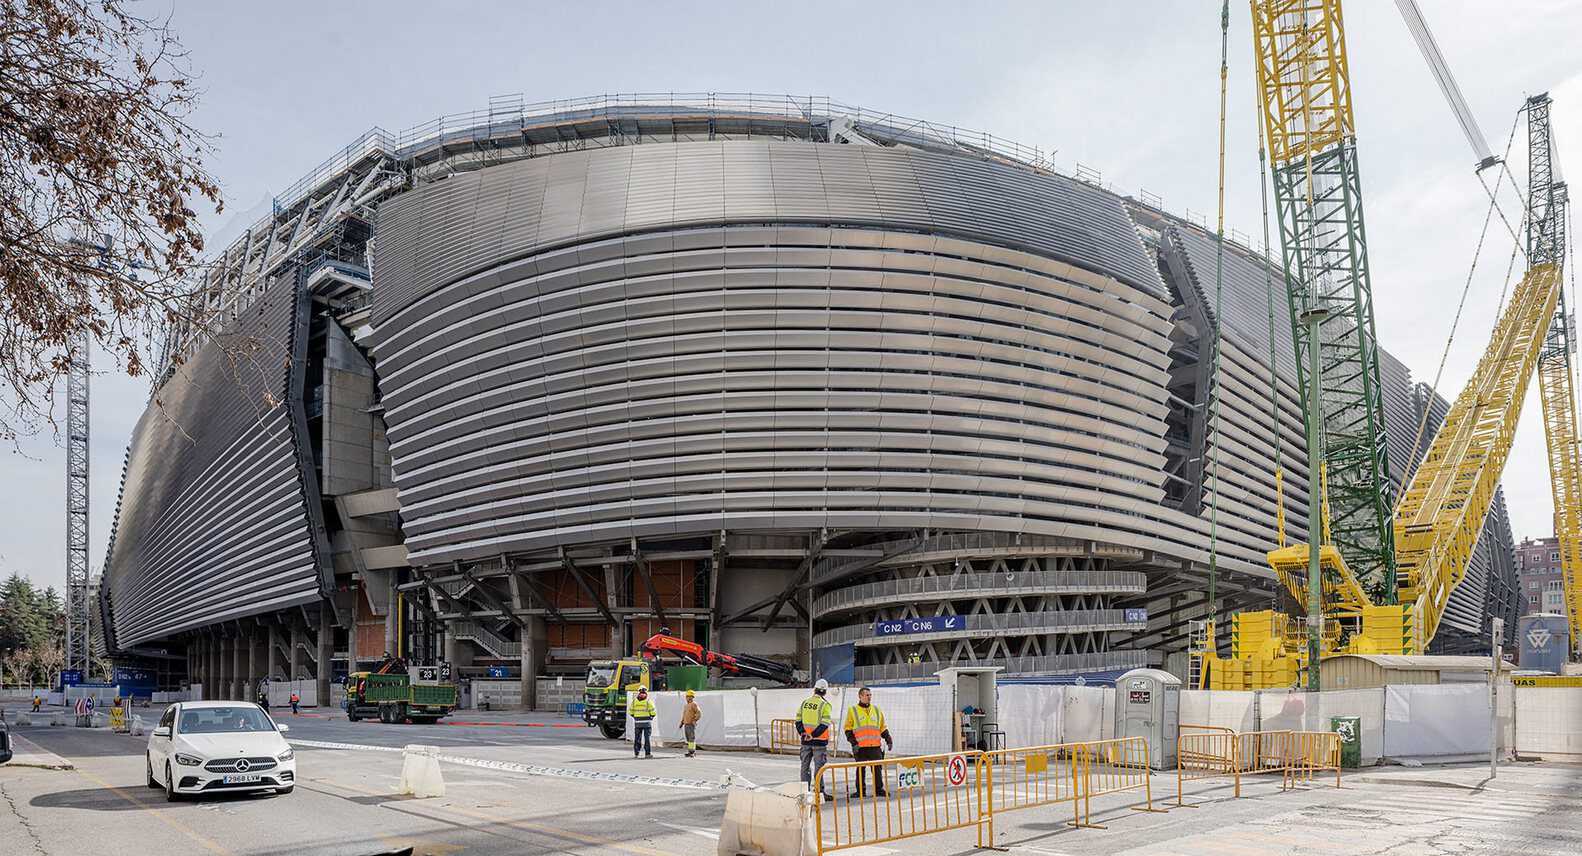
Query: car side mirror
point(5, 744)
point(162, 732)
point(283, 727)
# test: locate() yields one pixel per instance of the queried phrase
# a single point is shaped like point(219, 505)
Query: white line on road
point(534, 769)
point(695, 830)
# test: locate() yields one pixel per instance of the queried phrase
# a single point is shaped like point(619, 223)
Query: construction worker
point(864, 729)
point(690, 714)
point(36, 702)
point(643, 713)
point(295, 702)
point(813, 726)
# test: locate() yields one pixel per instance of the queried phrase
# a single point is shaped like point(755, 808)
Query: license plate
point(242, 780)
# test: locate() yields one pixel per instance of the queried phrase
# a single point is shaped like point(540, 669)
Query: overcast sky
point(1127, 89)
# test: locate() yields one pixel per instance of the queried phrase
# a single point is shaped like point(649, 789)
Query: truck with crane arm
point(609, 682)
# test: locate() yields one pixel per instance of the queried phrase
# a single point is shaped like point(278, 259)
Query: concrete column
point(253, 670)
point(391, 616)
point(351, 634)
point(535, 638)
point(618, 632)
point(326, 642)
point(236, 666)
point(295, 660)
point(452, 652)
point(272, 651)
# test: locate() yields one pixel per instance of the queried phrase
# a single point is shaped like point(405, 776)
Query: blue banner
point(499, 672)
point(836, 663)
point(1136, 614)
point(135, 682)
point(70, 678)
point(936, 624)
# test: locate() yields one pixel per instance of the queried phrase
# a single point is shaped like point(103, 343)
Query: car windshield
point(223, 720)
point(601, 675)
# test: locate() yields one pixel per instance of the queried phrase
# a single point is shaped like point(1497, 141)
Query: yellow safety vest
point(865, 724)
point(642, 710)
point(813, 720)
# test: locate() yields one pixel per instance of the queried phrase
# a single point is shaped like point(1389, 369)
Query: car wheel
point(149, 764)
point(170, 786)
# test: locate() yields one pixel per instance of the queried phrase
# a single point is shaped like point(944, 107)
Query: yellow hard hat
point(690, 693)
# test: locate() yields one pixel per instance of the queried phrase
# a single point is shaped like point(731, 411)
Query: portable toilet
point(1148, 705)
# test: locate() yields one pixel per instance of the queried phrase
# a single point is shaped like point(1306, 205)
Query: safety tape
point(535, 769)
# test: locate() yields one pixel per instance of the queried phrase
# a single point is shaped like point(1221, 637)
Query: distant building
point(1538, 567)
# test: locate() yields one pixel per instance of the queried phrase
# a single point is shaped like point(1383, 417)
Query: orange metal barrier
point(1204, 756)
point(1214, 729)
point(922, 795)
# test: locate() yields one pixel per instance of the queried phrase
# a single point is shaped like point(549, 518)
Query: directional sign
point(956, 770)
point(499, 672)
point(1136, 615)
point(934, 624)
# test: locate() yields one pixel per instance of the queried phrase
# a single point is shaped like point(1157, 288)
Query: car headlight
point(288, 755)
point(187, 760)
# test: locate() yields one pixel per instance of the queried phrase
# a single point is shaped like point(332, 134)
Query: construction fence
point(1438, 722)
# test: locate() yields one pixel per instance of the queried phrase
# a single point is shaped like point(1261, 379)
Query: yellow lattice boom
point(1442, 510)
point(1556, 387)
point(1301, 55)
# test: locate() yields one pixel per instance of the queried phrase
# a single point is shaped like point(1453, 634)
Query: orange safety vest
point(865, 724)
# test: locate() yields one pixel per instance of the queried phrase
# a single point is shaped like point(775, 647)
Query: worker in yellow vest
point(642, 710)
point(813, 724)
point(864, 729)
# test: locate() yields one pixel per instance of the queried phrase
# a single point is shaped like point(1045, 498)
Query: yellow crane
point(1305, 100)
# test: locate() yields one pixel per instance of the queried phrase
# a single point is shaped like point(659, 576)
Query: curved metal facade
point(647, 342)
point(214, 521)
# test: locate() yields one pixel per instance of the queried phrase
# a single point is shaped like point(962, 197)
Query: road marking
point(535, 769)
point(695, 830)
point(175, 824)
point(553, 832)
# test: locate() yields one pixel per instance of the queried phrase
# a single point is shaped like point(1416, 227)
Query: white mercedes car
point(205, 747)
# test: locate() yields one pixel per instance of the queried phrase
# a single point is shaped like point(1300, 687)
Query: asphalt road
point(345, 803)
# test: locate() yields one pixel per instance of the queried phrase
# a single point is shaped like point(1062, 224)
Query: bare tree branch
point(94, 141)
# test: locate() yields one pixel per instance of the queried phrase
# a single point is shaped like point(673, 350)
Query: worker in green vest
point(813, 724)
point(864, 729)
point(642, 710)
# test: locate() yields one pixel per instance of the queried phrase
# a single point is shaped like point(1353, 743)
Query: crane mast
point(1305, 94)
point(1546, 245)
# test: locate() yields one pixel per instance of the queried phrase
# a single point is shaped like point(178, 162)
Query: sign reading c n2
point(936, 624)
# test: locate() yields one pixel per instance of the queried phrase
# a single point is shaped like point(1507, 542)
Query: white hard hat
point(821, 685)
point(642, 688)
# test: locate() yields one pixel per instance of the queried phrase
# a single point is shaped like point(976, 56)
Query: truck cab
point(606, 690)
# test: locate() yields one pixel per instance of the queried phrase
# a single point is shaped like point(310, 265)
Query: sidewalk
point(30, 754)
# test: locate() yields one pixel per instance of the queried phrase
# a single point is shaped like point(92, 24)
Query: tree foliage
point(94, 145)
point(32, 631)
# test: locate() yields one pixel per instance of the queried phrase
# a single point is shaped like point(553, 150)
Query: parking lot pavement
point(545, 801)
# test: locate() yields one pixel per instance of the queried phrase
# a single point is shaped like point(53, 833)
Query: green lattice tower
point(1319, 202)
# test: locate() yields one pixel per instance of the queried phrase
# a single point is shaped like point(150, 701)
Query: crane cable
point(1422, 421)
point(1219, 326)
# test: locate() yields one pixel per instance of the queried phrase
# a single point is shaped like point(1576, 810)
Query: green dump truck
point(396, 697)
point(604, 695)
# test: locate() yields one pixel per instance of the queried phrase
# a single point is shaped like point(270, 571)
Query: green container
point(682, 678)
point(1350, 730)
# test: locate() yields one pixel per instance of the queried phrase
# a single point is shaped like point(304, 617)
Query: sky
point(1129, 90)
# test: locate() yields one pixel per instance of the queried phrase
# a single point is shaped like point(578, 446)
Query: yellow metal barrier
point(1112, 766)
point(782, 735)
point(1295, 755)
point(1211, 729)
point(1032, 777)
point(1204, 756)
point(1311, 753)
point(922, 795)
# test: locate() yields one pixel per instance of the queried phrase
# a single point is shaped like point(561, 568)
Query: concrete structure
point(772, 373)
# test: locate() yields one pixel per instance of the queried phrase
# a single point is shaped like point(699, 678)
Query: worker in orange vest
point(864, 729)
point(294, 703)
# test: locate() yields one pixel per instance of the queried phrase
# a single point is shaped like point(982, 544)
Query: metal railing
point(912, 797)
point(1063, 621)
point(489, 640)
point(1296, 755)
point(1054, 664)
point(983, 584)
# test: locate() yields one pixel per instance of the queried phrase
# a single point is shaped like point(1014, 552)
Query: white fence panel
point(1087, 714)
point(1219, 708)
point(1030, 714)
point(1436, 720)
point(1366, 705)
point(1549, 723)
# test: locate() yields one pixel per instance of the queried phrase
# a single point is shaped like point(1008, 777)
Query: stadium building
point(519, 388)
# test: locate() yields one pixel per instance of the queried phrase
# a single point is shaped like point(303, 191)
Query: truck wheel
point(614, 732)
point(353, 717)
